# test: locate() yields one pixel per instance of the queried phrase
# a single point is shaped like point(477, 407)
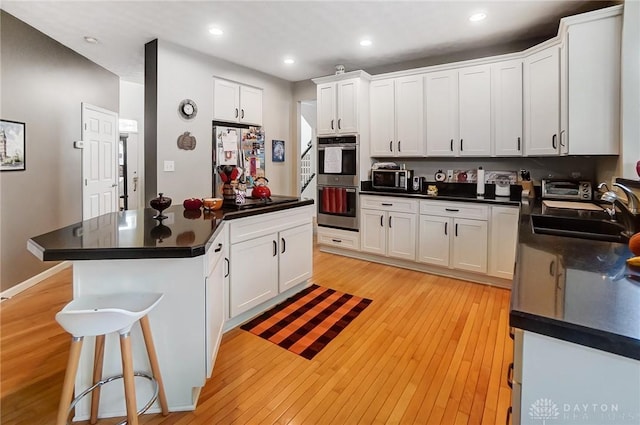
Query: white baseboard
point(23, 286)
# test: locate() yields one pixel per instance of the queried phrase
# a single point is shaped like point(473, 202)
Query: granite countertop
point(136, 234)
point(576, 290)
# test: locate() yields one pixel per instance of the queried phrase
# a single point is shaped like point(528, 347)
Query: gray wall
point(43, 85)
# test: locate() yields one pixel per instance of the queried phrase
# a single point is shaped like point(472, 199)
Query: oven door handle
point(344, 148)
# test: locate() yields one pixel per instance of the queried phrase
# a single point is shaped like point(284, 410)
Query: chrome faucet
point(632, 199)
point(609, 196)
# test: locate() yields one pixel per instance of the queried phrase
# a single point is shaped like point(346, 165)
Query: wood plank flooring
point(428, 350)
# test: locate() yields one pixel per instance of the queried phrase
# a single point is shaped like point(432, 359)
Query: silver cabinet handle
point(562, 138)
point(275, 248)
point(554, 141)
point(284, 245)
point(228, 267)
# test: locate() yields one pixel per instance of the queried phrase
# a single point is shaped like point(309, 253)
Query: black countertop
point(576, 290)
point(136, 234)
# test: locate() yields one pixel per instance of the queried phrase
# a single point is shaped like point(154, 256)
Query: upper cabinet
point(591, 58)
point(397, 117)
point(458, 112)
point(542, 102)
point(233, 102)
point(338, 107)
point(506, 95)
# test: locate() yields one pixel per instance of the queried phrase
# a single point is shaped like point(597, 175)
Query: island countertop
point(576, 290)
point(136, 234)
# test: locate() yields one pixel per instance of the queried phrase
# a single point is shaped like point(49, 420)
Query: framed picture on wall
point(12, 145)
point(277, 150)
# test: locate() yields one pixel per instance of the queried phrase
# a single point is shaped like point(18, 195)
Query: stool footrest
point(113, 378)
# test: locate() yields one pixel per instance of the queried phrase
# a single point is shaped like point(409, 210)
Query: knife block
point(528, 185)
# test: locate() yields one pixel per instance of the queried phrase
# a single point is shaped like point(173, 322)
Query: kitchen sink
point(598, 230)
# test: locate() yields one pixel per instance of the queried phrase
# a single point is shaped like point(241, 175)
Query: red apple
point(192, 204)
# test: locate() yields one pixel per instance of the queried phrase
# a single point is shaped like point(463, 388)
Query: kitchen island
point(191, 259)
point(575, 307)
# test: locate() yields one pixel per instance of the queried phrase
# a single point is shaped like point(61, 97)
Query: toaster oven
point(566, 189)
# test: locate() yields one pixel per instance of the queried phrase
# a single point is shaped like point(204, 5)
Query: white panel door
point(474, 103)
point(503, 241)
point(381, 101)
point(226, 101)
point(214, 311)
point(326, 108)
point(441, 91)
point(347, 107)
point(507, 107)
point(409, 114)
point(402, 235)
point(373, 231)
point(250, 105)
point(433, 240)
point(542, 102)
point(99, 161)
point(470, 245)
point(296, 256)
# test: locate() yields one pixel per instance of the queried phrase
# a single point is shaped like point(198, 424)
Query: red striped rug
point(305, 323)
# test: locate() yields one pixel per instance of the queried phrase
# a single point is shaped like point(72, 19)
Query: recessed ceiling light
point(91, 40)
point(216, 31)
point(477, 17)
point(365, 42)
point(289, 61)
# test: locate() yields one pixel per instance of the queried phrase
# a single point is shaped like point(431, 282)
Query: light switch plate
point(169, 166)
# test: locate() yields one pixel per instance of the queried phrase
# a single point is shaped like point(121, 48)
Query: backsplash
point(539, 167)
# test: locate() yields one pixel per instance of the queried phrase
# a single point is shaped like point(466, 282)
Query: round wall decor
point(187, 109)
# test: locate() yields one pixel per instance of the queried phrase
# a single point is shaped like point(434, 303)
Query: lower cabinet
point(214, 296)
point(448, 239)
point(503, 240)
point(269, 254)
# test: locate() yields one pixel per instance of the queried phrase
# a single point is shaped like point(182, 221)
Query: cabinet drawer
point(455, 209)
point(243, 229)
point(339, 238)
point(389, 203)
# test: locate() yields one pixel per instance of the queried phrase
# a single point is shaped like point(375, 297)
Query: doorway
point(308, 149)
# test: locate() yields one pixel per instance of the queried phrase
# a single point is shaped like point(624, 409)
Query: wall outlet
point(169, 166)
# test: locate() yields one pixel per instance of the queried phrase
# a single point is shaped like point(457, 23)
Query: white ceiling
point(318, 34)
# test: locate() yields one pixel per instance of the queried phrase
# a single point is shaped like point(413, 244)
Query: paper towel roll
point(480, 184)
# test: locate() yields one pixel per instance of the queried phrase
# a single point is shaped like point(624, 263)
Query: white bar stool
point(97, 316)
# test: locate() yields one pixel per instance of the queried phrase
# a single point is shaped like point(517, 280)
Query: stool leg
point(129, 385)
point(69, 380)
point(153, 359)
point(97, 376)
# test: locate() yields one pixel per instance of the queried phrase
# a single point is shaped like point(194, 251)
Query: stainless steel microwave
point(391, 179)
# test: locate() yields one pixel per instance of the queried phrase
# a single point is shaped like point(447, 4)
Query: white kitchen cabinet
point(506, 95)
point(548, 271)
point(338, 107)
point(458, 115)
point(397, 117)
point(591, 84)
point(269, 254)
point(542, 102)
point(295, 256)
point(503, 240)
point(338, 238)
point(388, 226)
point(453, 234)
point(233, 102)
point(214, 298)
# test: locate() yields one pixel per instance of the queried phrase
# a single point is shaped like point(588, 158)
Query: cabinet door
point(503, 241)
point(373, 230)
point(409, 116)
point(226, 98)
point(250, 105)
point(214, 312)
point(381, 98)
point(326, 108)
point(433, 240)
point(296, 256)
point(254, 273)
point(442, 117)
point(507, 106)
point(542, 102)
point(474, 103)
point(401, 235)
point(470, 245)
point(347, 116)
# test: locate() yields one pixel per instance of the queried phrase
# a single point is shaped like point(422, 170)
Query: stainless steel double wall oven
point(338, 182)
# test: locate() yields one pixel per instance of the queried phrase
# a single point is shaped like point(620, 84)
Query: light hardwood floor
point(428, 350)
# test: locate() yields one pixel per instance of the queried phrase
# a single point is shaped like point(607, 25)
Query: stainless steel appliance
point(391, 179)
point(338, 182)
point(566, 189)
